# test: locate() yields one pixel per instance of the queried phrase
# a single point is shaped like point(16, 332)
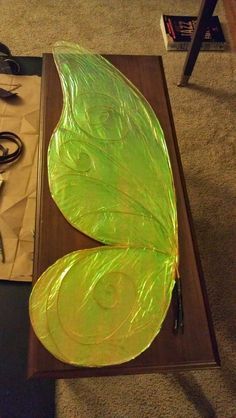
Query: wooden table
point(196, 347)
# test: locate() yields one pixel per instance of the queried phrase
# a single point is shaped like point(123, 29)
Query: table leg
point(205, 13)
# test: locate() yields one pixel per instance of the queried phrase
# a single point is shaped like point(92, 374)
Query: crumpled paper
point(20, 115)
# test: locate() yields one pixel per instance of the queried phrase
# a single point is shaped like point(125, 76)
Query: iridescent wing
point(110, 175)
point(102, 306)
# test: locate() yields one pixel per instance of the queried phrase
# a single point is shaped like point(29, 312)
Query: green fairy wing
point(108, 165)
point(102, 306)
point(110, 175)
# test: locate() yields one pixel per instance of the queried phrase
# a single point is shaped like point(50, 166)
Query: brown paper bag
point(18, 192)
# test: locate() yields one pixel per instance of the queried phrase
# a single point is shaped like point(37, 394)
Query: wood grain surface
point(230, 11)
point(196, 347)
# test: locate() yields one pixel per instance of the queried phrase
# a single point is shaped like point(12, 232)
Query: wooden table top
point(55, 237)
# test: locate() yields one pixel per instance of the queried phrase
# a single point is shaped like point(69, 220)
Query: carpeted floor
point(205, 120)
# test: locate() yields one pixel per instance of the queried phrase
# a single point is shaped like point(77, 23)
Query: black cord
point(5, 156)
point(179, 310)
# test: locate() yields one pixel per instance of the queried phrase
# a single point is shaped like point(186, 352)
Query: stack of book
point(177, 32)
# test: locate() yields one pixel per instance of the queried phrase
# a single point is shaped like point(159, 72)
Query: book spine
point(178, 46)
point(213, 46)
point(206, 46)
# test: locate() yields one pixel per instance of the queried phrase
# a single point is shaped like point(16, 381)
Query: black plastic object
point(8, 65)
point(4, 50)
point(5, 94)
point(29, 65)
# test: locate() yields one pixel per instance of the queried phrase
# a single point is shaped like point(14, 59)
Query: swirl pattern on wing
point(108, 165)
point(107, 313)
point(110, 176)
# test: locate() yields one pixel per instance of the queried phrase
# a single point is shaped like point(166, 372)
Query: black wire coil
point(5, 156)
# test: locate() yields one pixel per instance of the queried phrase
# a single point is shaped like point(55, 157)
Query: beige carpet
point(205, 119)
